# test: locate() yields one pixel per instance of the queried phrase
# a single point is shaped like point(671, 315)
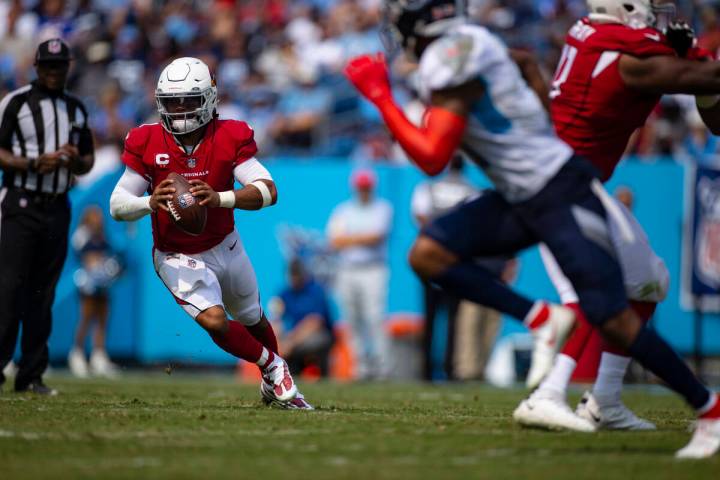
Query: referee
point(44, 143)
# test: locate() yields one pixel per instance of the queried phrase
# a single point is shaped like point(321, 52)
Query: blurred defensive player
point(478, 101)
point(207, 274)
point(616, 57)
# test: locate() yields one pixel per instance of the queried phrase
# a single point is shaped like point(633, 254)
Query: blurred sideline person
point(626, 196)
point(99, 268)
point(44, 143)
point(305, 330)
point(358, 230)
point(210, 273)
point(615, 66)
point(478, 326)
point(477, 99)
point(471, 328)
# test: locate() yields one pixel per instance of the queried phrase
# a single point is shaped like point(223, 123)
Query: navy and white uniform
point(544, 193)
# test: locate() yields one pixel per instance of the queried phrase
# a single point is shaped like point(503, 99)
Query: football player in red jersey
point(614, 67)
point(210, 273)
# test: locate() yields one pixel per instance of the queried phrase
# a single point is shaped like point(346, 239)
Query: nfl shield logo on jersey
point(708, 240)
point(191, 162)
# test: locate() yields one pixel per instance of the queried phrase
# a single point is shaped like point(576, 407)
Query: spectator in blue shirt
point(305, 332)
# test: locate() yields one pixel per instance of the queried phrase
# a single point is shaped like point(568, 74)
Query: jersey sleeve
point(456, 59)
point(135, 144)
point(244, 138)
point(644, 42)
point(8, 122)
point(85, 143)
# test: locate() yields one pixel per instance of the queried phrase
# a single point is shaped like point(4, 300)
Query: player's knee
point(250, 315)
point(428, 258)
point(622, 328)
point(213, 320)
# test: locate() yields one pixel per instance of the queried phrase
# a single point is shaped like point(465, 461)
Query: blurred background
point(278, 65)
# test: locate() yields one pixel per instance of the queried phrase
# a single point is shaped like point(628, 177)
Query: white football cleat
point(101, 366)
point(551, 414)
point(268, 398)
point(299, 403)
point(548, 339)
point(277, 374)
point(77, 364)
point(614, 417)
point(705, 441)
point(10, 369)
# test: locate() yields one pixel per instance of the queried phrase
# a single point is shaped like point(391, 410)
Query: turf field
point(196, 426)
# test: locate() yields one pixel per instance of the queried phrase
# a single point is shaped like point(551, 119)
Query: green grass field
point(209, 427)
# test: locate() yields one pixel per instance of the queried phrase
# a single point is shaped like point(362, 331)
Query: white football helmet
point(186, 95)
point(633, 13)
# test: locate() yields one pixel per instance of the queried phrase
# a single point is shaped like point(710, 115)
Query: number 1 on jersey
point(563, 71)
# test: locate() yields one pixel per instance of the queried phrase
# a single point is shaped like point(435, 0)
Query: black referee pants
point(33, 247)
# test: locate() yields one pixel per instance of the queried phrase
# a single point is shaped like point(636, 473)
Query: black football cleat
point(38, 388)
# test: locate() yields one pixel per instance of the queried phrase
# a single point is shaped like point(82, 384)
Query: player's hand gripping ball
point(369, 74)
point(184, 209)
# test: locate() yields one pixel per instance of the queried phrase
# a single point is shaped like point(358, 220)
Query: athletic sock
point(609, 382)
point(555, 384)
point(711, 410)
point(579, 338)
point(265, 335)
point(656, 355)
point(474, 283)
point(537, 316)
point(237, 341)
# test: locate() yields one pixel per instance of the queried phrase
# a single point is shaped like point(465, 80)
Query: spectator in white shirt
point(358, 230)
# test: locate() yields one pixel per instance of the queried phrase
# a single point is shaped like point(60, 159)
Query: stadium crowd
point(279, 63)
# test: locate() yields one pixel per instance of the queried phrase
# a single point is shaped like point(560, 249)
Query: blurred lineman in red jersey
point(210, 273)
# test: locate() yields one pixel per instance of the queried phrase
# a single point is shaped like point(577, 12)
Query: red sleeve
point(244, 137)
point(135, 143)
point(643, 42)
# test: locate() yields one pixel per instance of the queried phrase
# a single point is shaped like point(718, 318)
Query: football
point(185, 211)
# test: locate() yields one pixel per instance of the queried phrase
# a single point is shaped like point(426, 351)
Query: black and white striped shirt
point(34, 121)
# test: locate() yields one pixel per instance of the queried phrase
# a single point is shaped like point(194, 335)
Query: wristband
point(227, 199)
point(32, 164)
point(264, 191)
point(706, 101)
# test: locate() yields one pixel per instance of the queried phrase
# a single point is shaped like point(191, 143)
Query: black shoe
point(39, 388)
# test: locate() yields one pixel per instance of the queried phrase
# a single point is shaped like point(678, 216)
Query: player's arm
point(530, 70)
point(431, 145)
point(258, 190)
point(128, 200)
point(666, 74)
point(662, 74)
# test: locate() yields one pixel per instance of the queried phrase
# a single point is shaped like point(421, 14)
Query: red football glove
point(369, 74)
point(700, 54)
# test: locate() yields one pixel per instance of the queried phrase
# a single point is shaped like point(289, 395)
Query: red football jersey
point(153, 152)
point(592, 109)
